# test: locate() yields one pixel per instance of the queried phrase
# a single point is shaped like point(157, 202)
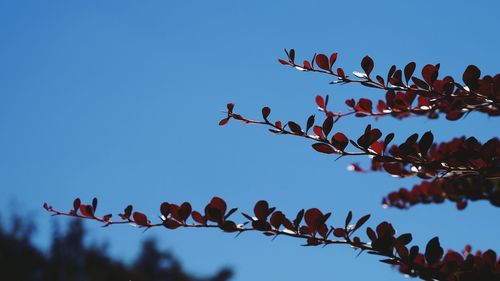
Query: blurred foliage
point(69, 259)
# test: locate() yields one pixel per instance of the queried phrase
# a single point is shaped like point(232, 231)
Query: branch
point(434, 95)
point(431, 264)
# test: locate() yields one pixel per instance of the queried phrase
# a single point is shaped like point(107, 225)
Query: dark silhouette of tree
point(69, 259)
point(460, 170)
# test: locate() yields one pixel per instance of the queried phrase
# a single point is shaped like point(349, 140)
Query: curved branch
point(431, 264)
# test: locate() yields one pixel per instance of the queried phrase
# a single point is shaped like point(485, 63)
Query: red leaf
point(327, 125)
point(320, 102)
point(277, 219)
point(340, 72)
point(76, 204)
point(184, 211)
point(261, 210)
point(307, 65)
point(340, 141)
point(126, 213)
point(333, 58)
point(223, 121)
point(265, 112)
point(393, 169)
point(409, 69)
point(295, 128)
point(323, 148)
point(319, 132)
point(339, 232)
point(171, 224)
point(433, 251)
point(94, 204)
point(141, 219)
point(367, 65)
point(361, 221)
point(313, 218)
point(197, 217)
point(322, 61)
point(471, 76)
point(454, 115)
point(429, 73)
point(381, 106)
point(364, 105)
point(87, 210)
point(377, 146)
point(350, 102)
point(215, 210)
point(284, 62)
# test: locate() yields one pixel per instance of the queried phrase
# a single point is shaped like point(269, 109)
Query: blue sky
point(121, 100)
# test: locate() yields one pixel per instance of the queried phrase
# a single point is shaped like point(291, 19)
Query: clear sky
point(121, 100)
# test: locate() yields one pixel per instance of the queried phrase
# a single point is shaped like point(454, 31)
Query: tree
point(460, 170)
point(70, 259)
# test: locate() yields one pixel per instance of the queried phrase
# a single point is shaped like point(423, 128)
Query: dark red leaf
point(197, 217)
point(322, 61)
point(471, 76)
point(310, 123)
point(295, 128)
point(433, 251)
point(429, 73)
point(327, 125)
point(94, 204)
point(348, 219)
point(184, 211)
point(339, 232)
point(223, 121)
point(284, 62)
point(454, 115)
point(261, 210)
point(425, 142)
point(391, 72)
point(229, 226)
point(340, 141)
point(265, 112)
point(409, 69)
point(307, 65)
point(367, 65)
point(320, 102)
point(313, 218)
point(76, 204)
point(350, 102)
point(298, 218)
point(291, 55)
point(319, 132)
point(230, 213)
point(361, 221)
point(87, 210)
point(420, 83)
point(404, 239)
point(323, 148)
point(333, 58)
point(277, 219)
point(364, 106)
point(140, 219)
point(126, 212)
point(371, 234)
point(388, 139)
point(340, 72)
point(171, 224)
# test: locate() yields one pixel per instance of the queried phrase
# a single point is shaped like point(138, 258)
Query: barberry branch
point(432, 264)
